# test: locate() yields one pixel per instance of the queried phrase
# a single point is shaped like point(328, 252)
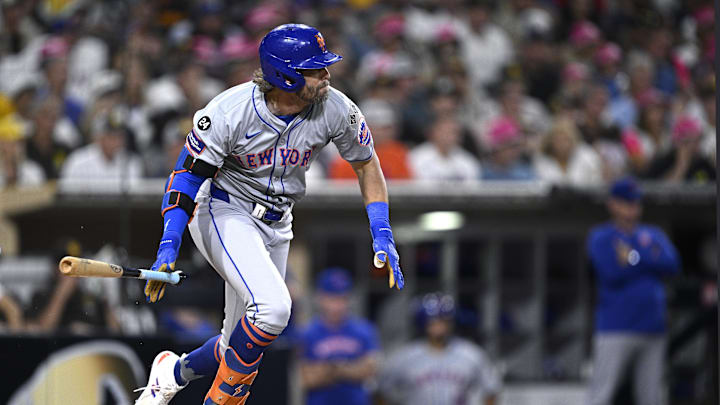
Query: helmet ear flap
point(281, 76)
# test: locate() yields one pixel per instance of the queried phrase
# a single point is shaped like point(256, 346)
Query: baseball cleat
point(161, 387)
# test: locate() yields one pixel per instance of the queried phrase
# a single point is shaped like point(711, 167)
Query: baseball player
point(440, 369)
point(255, 141)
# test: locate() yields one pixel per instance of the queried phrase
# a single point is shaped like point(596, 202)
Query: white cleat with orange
point(161, 387)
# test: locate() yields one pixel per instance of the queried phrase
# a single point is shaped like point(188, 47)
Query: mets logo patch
point(194, 143)
point(321, 42)
point(364, 134)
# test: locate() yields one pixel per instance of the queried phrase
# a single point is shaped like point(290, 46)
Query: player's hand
point(386, 256)
point(166, 257)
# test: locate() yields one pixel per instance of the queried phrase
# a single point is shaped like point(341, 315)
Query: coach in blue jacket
point(630, 260)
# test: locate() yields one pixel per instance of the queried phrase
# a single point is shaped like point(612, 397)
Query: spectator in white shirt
point(565, 160)
point(441, 157)
point(104, 165)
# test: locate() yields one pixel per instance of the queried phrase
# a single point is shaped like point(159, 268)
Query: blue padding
point(231, 359)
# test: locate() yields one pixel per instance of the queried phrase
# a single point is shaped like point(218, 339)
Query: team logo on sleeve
point(204, 123)
point(364, 134)
point(194, 143)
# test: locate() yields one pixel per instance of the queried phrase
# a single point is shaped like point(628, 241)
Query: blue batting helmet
point(435, 305)
point(290, 47)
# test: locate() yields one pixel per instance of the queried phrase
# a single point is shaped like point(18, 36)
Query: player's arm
point(357, 370)
point(316, 374)
point(178, 206)
point(375, 197)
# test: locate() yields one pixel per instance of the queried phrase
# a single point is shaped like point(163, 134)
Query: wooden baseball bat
point(80, 267)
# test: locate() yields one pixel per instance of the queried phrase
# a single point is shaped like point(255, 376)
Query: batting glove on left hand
point(166, 257)
point(386, 256)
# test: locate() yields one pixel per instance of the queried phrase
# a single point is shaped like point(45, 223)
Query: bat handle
point(174, 278)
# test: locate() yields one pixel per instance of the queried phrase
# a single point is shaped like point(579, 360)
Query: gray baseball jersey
point(418, 374)
point(263, 159)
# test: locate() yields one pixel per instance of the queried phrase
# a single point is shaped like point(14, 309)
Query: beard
point(312, 95)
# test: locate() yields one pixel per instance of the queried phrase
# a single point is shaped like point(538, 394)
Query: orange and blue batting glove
point(386, 254)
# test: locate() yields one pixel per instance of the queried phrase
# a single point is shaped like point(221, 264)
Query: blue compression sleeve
point(379, 216)
point(176, 219)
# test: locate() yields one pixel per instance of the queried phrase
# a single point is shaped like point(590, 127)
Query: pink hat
point(705, 16)
point(238, 47)
point(686, 127)
point(54, 47)
point(502, 131)
point(608, 53)
point(584, 33)
point(575, 71)
point(445, 33)
point(265, 15)
point(204, 49)
point(390, 26)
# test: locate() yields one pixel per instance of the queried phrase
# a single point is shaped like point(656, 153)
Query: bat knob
point(182, 276)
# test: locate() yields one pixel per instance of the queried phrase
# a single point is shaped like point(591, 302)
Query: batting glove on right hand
point(166, 257)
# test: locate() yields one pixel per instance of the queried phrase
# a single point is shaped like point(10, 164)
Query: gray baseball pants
point(618, 353)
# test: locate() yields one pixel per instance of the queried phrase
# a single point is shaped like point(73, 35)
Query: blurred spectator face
point(334, 307)
point(56, 71)
point(575, 79)
point(445, 134)
point(438, 329)
point(563, 139)
point(381, 118)
point(111, 143)
point(641, 74)
point(652, 118)
point(478, 15)
point(24, 102)
point(444, 104)
point(596, 102)
point(659, 44)
point(625, 211)
point(45, 117)
point(625, 202)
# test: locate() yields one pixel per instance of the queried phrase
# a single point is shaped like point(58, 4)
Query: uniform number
point(204, 123)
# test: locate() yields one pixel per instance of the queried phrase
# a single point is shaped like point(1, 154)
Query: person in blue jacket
point(630, 260)
point(339, 351)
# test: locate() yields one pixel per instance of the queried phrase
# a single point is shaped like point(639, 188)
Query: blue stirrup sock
point(249, 341)
point(200, 362)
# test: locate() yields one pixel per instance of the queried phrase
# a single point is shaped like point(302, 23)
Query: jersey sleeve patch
point(364, 135)
point(194, 143)
point(204, 123)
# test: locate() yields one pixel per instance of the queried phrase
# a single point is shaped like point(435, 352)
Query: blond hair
point(562, 124)
point(260, 81)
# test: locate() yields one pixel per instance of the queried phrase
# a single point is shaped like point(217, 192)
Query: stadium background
point(492, 77)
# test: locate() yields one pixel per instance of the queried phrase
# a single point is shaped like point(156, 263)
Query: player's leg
point(649, 368)
point(170, 373)
point(262, 307)
point(612, 353)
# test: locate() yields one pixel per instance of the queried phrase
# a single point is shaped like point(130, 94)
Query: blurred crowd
point(576, 92)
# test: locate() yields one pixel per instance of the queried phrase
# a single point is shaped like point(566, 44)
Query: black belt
point(259, 211)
